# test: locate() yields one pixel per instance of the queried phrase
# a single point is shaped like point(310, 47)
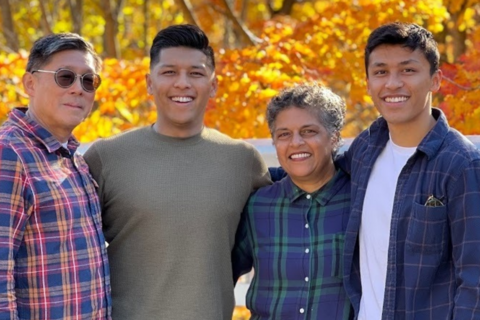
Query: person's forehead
point(183, 56)
point(395, 54)
point(74, 58)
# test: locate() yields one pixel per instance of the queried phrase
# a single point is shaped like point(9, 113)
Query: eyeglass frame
point(76, 76)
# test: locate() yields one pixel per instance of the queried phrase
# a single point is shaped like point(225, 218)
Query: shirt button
point(307, 250)
point(306, 225)
point(302, 310)
point(308, 196)
point(306, 279)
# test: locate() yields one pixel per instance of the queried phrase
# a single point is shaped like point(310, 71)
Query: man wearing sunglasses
point(53, 262)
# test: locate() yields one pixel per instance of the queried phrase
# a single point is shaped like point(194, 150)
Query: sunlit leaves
point(321, 40)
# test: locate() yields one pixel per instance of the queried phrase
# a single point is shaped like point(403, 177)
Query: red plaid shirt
point(53, 262)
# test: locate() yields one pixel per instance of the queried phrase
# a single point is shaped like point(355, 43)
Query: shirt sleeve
point(94, 162)
point(242, 260)
point(464, 213)
point(13, 218)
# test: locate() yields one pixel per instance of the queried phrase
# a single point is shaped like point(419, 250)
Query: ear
point(368, 88)
point(213, 90)
point(29, 83)
point(149, 83)
point(436, 80)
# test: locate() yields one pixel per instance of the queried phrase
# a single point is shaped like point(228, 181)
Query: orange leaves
point(320, 41)
point(241, 313)
point(461, 90)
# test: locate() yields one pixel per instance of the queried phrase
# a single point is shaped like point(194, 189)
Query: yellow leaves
point(322, 40)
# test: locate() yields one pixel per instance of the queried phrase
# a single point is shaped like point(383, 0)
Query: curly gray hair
point(328, 107)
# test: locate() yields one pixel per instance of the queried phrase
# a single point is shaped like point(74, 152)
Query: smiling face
point(60, 110)
point(181, 84)
point(304, 148)
point(401, 86)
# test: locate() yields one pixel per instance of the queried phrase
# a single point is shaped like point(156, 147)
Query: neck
point(312, 185)
point(411, 134)
point(178, 132)
point(60, 135)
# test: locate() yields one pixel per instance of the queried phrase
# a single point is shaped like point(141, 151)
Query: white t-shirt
point(374, 233)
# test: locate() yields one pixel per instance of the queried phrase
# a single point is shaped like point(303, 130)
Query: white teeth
point(182, 99)
point(396, 99)
point(300, 155)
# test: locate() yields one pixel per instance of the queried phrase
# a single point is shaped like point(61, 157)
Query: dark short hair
point(44, 48)
point(326, 106)
point(409, 35)
point(182, 35)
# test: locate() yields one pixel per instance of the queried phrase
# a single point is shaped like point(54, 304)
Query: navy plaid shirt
point(294, 241)
point(433, 267)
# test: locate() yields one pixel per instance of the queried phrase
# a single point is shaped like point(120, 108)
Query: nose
point(297, 139)
point(394, 81)
point(182, 81)
point(76, 86)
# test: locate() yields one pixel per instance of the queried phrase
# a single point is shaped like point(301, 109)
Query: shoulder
point(458, 146)
point(269, 192)
point(120, 141)
point(221, 140)
point(456, 154)
point(14, 142)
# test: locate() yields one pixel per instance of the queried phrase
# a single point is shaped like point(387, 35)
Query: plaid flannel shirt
point(53, 262)
point(294, 241)
point(433, 269)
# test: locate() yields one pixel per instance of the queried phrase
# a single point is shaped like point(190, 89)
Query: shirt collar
point(322, 196)
point(429, 145)
point(19, 118)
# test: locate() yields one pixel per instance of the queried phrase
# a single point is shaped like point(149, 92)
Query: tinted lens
point(90, 81)
point(65, 78)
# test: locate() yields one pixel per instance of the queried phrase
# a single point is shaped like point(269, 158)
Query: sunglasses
point(65, 78)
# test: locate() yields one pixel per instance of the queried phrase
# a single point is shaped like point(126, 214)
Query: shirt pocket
point(427, 229)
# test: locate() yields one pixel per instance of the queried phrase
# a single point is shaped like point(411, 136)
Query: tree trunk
point(145, 28)
point(8, 26)
point(110, 14)
point(458, 37)
point(46, 19)
point(76, 12)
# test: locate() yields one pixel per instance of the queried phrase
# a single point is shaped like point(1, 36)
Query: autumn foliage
point(320, 41)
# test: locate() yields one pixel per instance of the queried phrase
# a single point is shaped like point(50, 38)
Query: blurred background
point(261, 46)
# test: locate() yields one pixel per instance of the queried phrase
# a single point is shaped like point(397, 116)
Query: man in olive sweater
point(172, 193)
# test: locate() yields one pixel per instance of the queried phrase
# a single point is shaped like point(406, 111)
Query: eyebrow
point(402, 63)
point(302, 127)
point(173, 66)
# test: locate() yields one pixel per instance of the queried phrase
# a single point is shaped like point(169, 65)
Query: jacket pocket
point(427, 229)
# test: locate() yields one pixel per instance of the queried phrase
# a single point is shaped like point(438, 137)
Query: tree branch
point(246, 34)
point(459, 85)
point(188, 12)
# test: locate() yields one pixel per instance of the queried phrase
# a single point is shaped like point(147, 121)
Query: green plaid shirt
point(294, 241)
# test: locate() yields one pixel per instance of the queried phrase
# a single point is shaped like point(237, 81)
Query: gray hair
point(44, 48)
point(326, 106)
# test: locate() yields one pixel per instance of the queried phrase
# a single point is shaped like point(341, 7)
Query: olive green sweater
point(170, 211)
